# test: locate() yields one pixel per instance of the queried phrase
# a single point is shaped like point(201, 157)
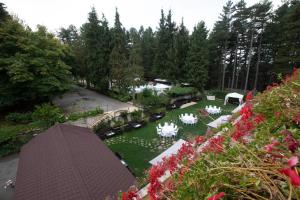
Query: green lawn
point(138, 147)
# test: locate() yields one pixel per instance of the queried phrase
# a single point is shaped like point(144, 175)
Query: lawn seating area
point(138, 146)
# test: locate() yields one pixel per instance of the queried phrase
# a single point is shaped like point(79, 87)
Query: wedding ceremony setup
point(167, 130)
point(189, 119)
point(213, 109)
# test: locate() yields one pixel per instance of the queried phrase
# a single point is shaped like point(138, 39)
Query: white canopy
point(159, 88)
point(234, 95)
point(167, 153)
point(218, 122)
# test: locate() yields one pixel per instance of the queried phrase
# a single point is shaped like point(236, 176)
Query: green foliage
point(48, 114)
point(101, 126)
point(181, 91)
point(90, 113)
point(218, 93)
point(32, 65)
point(124, 96)
point(19, 117)
point(150, 100)
point(197, 61)
point(136, 115)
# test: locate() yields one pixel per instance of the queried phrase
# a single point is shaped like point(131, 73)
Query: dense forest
point(248, 48)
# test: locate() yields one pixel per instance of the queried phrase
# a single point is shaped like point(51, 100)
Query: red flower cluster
point(291, 171)
point(291, 142)
point(249, 96)
point(246, 112)
point(259, 119)
point(199, 140)
point(215, 145)
point(130, 195)
point(172, 164)
point(217, 196)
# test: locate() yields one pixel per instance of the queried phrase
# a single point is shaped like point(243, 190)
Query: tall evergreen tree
point(118, 60)
point(161, 48)
point(148, 52)
point(197, 60)
point(181, 50)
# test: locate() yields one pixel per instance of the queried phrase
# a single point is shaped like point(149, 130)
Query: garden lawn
point(138, 147)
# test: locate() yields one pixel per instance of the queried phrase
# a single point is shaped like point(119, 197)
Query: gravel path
point(80, 99)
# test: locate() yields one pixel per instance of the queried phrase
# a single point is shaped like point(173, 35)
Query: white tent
point(167, 153)
point(218, 122)
point(234, 95)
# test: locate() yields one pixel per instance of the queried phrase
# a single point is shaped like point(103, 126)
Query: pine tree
point(118, 60)
point(148, 52)
point(197, 60)
point(181, 50)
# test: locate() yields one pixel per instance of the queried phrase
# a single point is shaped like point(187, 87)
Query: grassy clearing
point(138, 147)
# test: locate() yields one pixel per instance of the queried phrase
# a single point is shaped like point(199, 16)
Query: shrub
point(19, 117)
point(79, 115)
point(181, 91)
point(48, 114)
point(150, 100)
point(136, 115)
point(101, 127)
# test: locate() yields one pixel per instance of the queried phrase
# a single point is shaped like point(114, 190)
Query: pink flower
point(217, 196)
point(293, 161)
point(292, 174)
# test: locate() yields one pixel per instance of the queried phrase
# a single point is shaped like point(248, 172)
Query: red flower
point(217, 196)
point(249, 96)
point(293, 161)
point(199, 140)
point(292, 174)
point(246, 112)
point(295, 72)
point(270, 147)
point(277, 114)
point(259, 118)
point(215, 145)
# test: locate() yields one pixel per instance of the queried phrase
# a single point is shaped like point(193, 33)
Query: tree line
point(248, 48)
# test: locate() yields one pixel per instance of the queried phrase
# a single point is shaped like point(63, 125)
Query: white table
point(213, 109)
point(168, 131)
point(188, 119)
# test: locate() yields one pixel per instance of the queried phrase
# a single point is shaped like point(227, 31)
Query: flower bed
point(257, 158)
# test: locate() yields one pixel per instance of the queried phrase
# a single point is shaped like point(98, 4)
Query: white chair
point(159, 126)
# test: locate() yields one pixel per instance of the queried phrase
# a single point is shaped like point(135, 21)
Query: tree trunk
point(257, 64)
point(235, 61)
point(249, 60)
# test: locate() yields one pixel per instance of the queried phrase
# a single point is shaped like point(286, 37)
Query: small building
point(69, 162)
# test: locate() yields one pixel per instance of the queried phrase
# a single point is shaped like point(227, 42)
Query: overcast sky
point(133, 13)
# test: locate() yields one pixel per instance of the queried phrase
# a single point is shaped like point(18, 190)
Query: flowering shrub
point(255, 159)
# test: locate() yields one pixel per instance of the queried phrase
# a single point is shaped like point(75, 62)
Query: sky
point(55, 14)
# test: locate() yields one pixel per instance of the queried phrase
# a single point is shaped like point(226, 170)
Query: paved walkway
point(80, 99)
point(8, 170)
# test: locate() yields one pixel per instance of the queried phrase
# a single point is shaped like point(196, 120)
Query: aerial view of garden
point(157, 100)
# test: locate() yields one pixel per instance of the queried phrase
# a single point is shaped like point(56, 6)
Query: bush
point(136, 115)
point(150, 100)
point(48, 114)
point(181, 91)
point(91, 113)
point(218, 93)
point(101, 127)
point(19, 117)
point(124, 97)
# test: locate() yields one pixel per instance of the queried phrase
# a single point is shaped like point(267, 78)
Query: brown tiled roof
point(69, 162)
